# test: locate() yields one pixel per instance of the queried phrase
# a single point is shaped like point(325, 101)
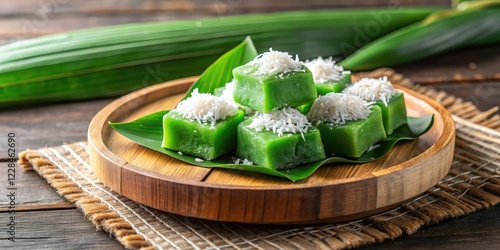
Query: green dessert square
point(204, 140)
point(354, 137)
point(304, 109)
point(381, 92)
point(325, 88)
point(268, 149)
point(336, 87)
point(394, 114)
point(226, 92)
point(273, 91)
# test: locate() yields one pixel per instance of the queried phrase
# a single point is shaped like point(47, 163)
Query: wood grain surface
point(57, 229)
point(333, 193)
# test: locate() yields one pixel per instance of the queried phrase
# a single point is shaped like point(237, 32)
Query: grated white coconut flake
point(205, 108)
point(337, 108)
point(372, 89)
point(276, 62)
point(325, 70)
point(287, 120)
point(227, 93)
point(239, 161)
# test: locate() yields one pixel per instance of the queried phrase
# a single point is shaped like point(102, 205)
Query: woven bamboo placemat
point(473, 183)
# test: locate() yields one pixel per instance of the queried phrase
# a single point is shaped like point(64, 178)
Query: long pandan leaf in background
point(113, 60)
point(473, 25)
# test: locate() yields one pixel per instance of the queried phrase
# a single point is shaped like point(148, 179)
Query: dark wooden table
point(44, 220)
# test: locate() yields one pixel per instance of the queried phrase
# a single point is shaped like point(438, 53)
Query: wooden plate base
point(334, 193)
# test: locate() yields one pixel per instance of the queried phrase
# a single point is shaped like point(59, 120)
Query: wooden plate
point(334, 193)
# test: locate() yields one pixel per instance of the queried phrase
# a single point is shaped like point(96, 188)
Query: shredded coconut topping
point(239, 161)
point(276, 62)
point(337, 108)
point(227, 93)
point(205, 108)
point(325, 70)
point(287, 120)
point(372, 89)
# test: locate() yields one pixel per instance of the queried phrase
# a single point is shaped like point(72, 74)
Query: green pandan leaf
point(147, 131)
point(221, 71)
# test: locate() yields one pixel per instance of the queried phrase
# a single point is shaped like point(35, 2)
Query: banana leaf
point(147, 131)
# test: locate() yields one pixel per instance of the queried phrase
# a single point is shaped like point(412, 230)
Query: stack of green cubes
point(296, 115)
point(272, 92)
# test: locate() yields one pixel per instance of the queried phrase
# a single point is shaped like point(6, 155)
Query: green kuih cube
point(394, 114)
point(304, 109)
point(336, 87)
point(200, 139)
point(325, 88)
point(269, 92)
point(269, 150)
point(353, 138)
